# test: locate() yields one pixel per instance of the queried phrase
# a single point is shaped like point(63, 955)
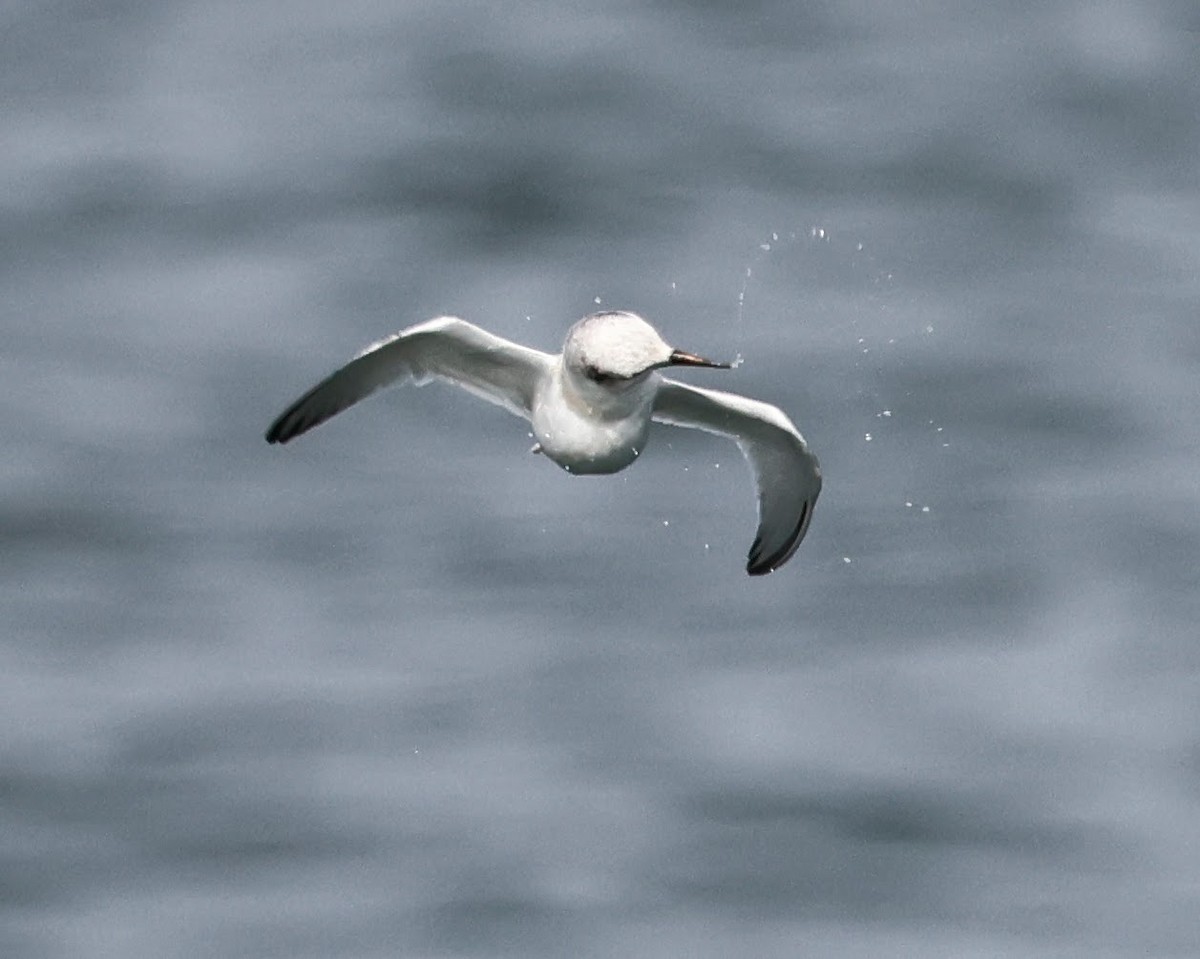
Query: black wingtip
point(755, 565)
point(758, 566)
point(290, 424)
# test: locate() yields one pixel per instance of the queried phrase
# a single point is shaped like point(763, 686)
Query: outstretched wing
point(786, 472)
point(493, 368)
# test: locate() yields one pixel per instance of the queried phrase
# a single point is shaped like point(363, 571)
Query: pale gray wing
point(786, 472)
point(448, 348)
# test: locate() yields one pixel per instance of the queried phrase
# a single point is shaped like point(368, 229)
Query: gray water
point(401, 688)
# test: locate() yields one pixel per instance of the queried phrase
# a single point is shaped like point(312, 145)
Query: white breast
point(582, 439)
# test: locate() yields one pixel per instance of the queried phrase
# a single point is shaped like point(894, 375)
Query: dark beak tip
point(680, 358)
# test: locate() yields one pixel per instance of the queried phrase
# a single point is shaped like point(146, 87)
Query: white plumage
point(590, 406)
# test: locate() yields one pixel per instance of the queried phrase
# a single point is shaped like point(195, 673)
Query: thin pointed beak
point(679, 358)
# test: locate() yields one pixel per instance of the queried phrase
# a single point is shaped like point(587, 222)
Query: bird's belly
point(582, 446)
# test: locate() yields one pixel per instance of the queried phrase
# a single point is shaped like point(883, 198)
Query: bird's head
point(615, 350)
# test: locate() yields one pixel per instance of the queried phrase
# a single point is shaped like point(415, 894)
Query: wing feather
point(786, 472)
point(448, 348)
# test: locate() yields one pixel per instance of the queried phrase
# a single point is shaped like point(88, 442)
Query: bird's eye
point(597, 375)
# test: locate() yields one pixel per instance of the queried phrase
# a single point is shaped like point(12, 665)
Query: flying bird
point(590, 406)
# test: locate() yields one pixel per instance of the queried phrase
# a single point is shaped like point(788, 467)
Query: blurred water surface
point(402, 689)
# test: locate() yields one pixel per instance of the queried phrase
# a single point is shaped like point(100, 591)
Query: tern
point(590, 406)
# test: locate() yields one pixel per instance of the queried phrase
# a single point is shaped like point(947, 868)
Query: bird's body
point(583, 438)
point(592, 427)
point(590, 407)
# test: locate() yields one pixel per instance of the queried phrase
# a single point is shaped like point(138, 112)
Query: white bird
point(590, 406)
